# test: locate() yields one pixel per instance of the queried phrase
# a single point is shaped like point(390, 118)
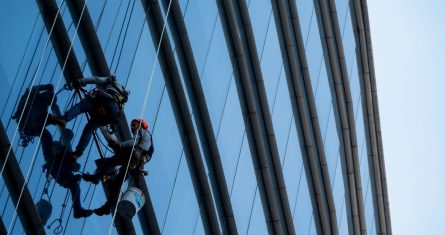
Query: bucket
point(131, 202)
point(44, 209)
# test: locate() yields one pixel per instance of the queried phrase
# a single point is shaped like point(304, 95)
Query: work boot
point(56, 121)
point(103, 210)
point(81, 213)
point(94, 179)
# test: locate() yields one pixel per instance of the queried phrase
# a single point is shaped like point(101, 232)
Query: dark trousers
point(61, 169)
point(103, 103)
point(122, 159)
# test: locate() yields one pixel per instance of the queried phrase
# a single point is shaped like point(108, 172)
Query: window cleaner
point(104, 104)
point(124, 155)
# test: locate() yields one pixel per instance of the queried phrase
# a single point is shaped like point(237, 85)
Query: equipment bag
point(32, 111)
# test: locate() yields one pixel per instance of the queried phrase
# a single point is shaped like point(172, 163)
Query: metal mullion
point(98, 65)
point(14, 181)
point(377, 119)
point(354, 162)
point(61, 43)
point(2, 227)
point(346, 112)
point(202, 116)
point(371, 116)
point(256, 127)
point(306, 118)
point(262, 102)
point(182, 115)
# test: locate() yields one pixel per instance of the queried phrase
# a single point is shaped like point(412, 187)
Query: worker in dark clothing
point(125, 154)
point(32, 116)
point(104, 103)
point(62, 169)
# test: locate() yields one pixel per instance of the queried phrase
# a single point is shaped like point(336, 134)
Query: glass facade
point(185, 196)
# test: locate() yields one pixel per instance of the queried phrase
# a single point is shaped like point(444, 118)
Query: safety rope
point(58, 82)
point(142, 111)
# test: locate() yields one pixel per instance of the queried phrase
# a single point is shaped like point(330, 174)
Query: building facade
point(264, 114)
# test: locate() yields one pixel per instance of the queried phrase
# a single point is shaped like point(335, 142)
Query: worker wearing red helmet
point(141, 137)
point(141, 154)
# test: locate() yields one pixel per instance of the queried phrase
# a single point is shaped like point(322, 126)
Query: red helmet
point(143, 123)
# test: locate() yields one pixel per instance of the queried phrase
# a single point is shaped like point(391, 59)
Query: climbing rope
point(142, 110)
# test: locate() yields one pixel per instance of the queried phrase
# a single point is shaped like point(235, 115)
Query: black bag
point(32, 111)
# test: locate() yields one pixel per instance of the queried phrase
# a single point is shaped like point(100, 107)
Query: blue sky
point(408, 42)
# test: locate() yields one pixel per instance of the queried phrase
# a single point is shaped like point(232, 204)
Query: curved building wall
point(264, 113)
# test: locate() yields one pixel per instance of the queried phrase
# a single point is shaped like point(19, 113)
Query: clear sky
point(408, 42)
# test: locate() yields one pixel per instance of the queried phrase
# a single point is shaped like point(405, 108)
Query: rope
point(251, 209)
point(125, 37)
point(83, 170)
point(135, 52)
point(26, 74)
point(112, 26)
point(27, 98)
point(58, 82)
point(158, 110)
point(21, 63)
point(99, 20)
point(142, 110)
point(37, 69)
point(173, 189)
point(59, 228)
point(4, 185)
point(120, 34)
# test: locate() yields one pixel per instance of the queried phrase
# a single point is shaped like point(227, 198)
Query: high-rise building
point(264, 114)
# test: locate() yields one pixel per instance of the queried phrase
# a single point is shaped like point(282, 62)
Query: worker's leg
point(85, 138)
point(85, 105)
point(72, 183)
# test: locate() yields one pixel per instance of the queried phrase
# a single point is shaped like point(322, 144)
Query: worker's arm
point(141, 140)
point(96, 80)
point(130, 142)
point(110, 137)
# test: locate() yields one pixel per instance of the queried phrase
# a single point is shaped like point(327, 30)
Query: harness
point(114, 90)
point(142, 156)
